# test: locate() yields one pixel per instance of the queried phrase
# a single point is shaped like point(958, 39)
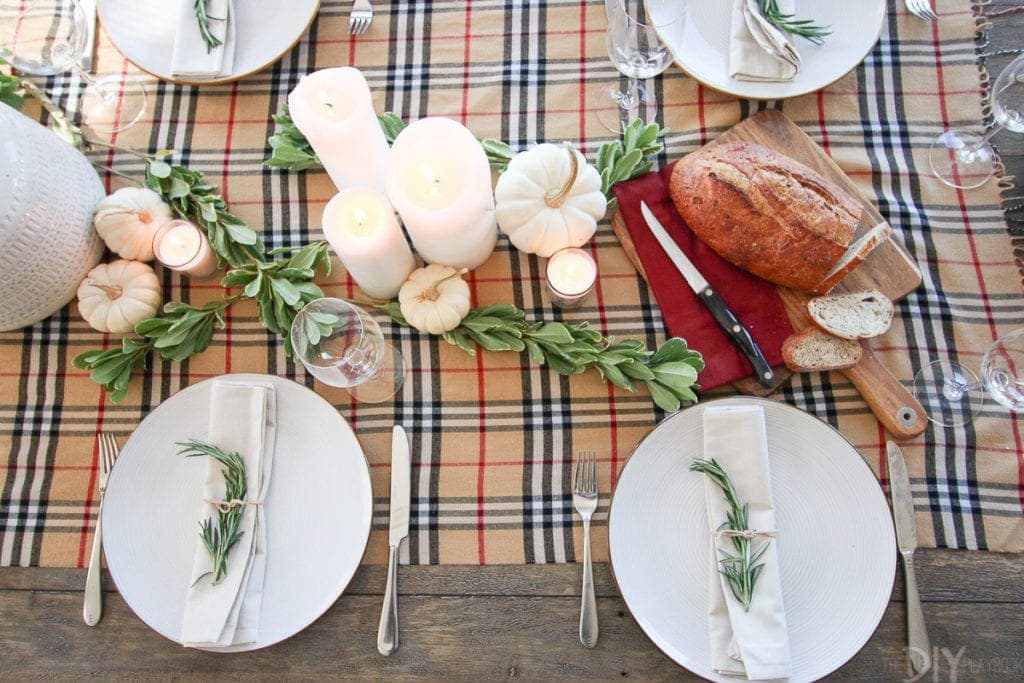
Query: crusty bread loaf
point(860, 315)
point(813, 349)
point(771, 215)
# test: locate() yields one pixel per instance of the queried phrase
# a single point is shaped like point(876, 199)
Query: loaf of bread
point(771, 215)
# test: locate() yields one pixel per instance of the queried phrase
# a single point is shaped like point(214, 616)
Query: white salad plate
point(143, 31)
point(701, 49)
point(318, 511)
point(836, 544)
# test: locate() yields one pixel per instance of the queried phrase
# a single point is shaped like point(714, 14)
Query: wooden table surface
point(513, 621)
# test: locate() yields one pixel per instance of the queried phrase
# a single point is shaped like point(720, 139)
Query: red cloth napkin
point(755, 302)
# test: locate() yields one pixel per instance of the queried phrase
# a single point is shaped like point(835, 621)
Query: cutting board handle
point(894, 406)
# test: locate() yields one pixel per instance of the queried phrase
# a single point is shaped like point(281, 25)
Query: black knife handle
point(740, 335)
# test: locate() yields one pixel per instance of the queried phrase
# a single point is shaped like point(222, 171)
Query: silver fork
point(360, 17)
point(921, 9)
point(584, 499)
point(92, 610)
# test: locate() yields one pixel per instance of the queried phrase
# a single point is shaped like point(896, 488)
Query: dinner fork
point(584, 499)
point(93, 607)
point(921, 9)
point(360, 17)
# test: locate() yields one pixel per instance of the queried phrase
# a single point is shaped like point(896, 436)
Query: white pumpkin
point(435, 298)
point(128, 219)
point(113, 297)
point(549, 198)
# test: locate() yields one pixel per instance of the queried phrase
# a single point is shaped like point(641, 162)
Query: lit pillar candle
point(361, 226)
point(570, 275)
point(183, 247)
point(440, 182)
point(334, 110)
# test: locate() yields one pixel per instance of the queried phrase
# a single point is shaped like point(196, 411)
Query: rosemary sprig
point(629, 157)
point(740, 569)
point(220, 534)
point(790, 24)
point(203, 20)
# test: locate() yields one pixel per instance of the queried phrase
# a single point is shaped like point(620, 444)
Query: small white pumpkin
point(549, 198)
point(128, 219)
point(435, 298)
point(113, 297)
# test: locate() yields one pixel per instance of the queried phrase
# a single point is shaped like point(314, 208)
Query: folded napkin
point(243, 419)
point(759, 51)
point(189, 58)
point(755, 301)
point(752, 643)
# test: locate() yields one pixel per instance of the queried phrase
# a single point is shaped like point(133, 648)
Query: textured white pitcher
point(48, 192)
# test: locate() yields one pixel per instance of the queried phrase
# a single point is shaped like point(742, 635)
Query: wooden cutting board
point(888, 269)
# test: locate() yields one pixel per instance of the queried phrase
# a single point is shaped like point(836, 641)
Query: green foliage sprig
point(220, 534)
point(624, 159)
point(740, 569)
point(11, 92)
point(203, 20)
point(789, 23)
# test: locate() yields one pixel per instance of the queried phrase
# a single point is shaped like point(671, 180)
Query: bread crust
point(765, 212)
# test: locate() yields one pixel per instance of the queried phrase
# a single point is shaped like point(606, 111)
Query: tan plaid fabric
point(493, 435)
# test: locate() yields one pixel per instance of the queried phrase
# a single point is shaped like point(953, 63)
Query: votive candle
point(181, 246)
point(570, 276)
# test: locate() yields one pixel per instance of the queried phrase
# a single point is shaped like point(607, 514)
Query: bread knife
point(725, 318)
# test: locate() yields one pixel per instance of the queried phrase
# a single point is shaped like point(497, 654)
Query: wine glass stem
point(629, 100)
point(90, 82)
point(984, 140)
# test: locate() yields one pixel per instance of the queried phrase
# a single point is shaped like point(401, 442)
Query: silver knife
point(401, 473)
point(906, 538)
point(725, 318)
point(89, 14)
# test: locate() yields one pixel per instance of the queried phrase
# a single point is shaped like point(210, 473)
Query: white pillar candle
point(570, 275)
point(361, 226)
point(440, 182)
point(183, 247)
point(334, 110)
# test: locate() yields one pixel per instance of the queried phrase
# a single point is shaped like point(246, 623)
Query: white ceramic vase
point(48, 192)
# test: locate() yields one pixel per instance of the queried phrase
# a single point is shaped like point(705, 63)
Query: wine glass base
point(110, 104)
point(385, 383)
point(962, 160)
point(615, 111)
point(949, 392)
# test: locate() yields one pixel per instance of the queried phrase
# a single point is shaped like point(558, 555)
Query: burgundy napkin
point(755, 302)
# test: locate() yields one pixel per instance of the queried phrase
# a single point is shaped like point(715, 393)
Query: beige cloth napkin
point(189, 58)
point(752, 643)
point(243, 419)
point(757, 50)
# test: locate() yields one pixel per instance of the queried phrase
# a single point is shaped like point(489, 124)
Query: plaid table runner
point(493, 435)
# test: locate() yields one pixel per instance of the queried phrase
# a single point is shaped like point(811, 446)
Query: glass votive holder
point(183, 247)
point(570, 276)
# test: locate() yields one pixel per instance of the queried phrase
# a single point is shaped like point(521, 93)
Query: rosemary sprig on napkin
point(220, 534)
point(741, 570)
point(203, 19)
point(790, 24)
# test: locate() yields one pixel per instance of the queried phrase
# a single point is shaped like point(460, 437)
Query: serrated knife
point(725, 318)
point(401, 473)
point(906, 539)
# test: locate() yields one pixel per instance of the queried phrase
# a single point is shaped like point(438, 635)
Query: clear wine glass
point(47, 37)
point(638, 39)
point(952, 394)
point(966, 160)
point(343, 346)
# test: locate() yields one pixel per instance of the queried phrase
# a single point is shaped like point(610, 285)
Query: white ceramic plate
point(143, 31)
point(318, 511)
point(702, 49)
point(836, 543)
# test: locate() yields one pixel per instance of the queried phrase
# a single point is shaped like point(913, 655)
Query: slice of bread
point(861, 315)
point(855, 255)
point(813, 349)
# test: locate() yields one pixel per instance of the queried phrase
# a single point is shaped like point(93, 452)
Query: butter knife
point(401, 473)
point(88, 51)
point(906, 538)
point(725, 318)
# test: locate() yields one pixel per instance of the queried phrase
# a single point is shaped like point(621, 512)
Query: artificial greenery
point(740, 569)
point(789, 23)
point(629, 157)
point(220, 534)
point(11, 92)
point(203, 20)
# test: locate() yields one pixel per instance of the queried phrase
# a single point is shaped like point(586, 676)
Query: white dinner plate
point(836, 544)
point(318, 511)
point(143, 31)
point(702, 47)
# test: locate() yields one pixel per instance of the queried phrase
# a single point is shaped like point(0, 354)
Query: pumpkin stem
point(432, 293)
point(555, 198)
point(112, 291)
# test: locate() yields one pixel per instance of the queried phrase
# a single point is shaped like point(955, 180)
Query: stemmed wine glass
point(952, 394)
point(639, 33)
point(343, 346)
point(967, 160)
point(47, 37)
